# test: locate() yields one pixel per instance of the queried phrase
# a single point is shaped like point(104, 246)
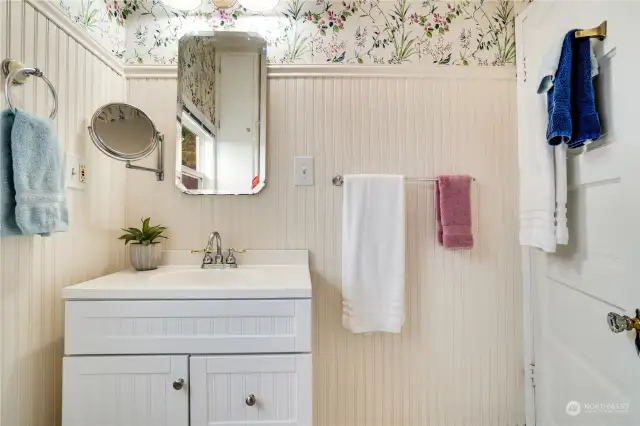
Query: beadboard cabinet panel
point(126, 391)
point(261, 390)
point(104, 327)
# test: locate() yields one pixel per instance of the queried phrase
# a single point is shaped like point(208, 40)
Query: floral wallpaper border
point(460, 32)
point(101, 19)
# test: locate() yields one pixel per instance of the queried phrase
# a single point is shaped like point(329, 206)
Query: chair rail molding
point(150, 71)
point(345, 71)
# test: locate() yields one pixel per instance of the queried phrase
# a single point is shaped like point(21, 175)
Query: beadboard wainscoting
point(459, 359)
point(33, 270)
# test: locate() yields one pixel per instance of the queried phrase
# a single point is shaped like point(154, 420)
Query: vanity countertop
point(175, 282)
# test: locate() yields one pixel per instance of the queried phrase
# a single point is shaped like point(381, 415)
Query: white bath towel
point(560, 175)
point(543, 193)
point(537, 176)
point(373, 253)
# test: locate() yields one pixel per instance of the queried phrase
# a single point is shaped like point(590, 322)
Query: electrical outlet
point(75, 171)
point(82, 176)
point(303, 171)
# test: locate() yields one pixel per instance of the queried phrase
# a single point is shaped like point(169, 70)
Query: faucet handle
point(207, 259)
point(231, 259)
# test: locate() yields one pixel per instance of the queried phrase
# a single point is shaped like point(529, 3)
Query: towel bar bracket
point(10, 65)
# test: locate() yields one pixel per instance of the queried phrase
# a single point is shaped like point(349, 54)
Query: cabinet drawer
point(187, 326)
point(264, 390)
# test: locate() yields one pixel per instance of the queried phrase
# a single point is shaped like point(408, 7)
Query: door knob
point(178, 384)
point(619, 323)
point(250, 400)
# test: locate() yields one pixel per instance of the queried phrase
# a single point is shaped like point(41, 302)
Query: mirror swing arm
point(159, 171)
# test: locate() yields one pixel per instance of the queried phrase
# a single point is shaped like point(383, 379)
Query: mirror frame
point(262, 128)
point(157, 140)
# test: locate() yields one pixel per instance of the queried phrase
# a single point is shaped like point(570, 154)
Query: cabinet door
point(125, 391)
point(260, 390)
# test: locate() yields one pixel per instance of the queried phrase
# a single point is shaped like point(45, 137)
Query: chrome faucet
point(217, 261)
point(218, 258)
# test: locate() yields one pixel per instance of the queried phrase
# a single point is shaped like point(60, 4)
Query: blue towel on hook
point(8, 225)
point(38, 176)
point(571, 105)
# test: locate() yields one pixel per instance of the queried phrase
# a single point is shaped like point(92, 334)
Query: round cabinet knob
point(250, 400)
point(178, 384)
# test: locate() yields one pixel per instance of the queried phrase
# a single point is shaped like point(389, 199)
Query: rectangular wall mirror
point(221, 118)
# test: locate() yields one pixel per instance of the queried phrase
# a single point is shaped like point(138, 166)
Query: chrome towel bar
point(338, 180)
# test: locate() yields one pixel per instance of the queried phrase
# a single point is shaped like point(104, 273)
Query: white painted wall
point(459, 358)
point(33, 270)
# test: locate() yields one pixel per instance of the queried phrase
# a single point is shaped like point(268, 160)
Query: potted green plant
point(142, 250)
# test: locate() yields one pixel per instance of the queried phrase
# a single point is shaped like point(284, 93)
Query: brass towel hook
point(599, 32)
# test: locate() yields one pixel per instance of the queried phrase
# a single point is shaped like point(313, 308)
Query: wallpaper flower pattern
point(102, 19)
point(459, 32)
point(356, 31)
point(197, 76)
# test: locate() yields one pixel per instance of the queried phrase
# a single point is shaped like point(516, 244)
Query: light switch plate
point(303, 171)
point(72, 166)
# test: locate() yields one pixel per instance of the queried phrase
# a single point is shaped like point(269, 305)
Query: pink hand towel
point(453, 211)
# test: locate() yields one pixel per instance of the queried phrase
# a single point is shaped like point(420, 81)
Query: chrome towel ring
point(14, 70)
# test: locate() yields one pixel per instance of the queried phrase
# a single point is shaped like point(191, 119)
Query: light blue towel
point(38, 176)
point(8, 225)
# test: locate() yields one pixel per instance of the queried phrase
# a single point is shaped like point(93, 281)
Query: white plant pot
point(144, 258)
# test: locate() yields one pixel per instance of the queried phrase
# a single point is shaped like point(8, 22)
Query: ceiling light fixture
point(223, 4)
point(258, 5)
point(183, 4)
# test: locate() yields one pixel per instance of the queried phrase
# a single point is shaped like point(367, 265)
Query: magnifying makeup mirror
point(126, 133)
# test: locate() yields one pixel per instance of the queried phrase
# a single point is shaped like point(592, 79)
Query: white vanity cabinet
point(142, 354)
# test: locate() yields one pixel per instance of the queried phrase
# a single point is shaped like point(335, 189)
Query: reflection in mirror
point(123, 132)
point(221, 138)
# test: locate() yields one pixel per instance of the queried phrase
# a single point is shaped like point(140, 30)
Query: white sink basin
point(272, 280)
point(213, 277)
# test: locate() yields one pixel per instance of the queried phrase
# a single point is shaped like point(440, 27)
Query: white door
point(238, 96)
point(585, 374)
point(125, 391)
point(262, 390)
